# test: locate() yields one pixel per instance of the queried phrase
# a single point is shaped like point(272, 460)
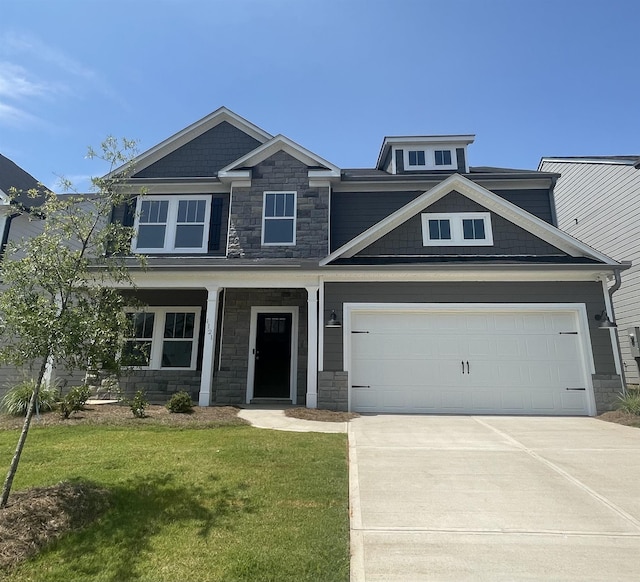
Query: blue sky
point(529, 78)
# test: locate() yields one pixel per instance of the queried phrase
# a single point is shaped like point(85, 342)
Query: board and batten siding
point(589, 293)
point(599, 203)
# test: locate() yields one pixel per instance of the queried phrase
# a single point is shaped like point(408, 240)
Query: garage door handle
point(583, 389)
point(359, 386)
point(462, 366)
point(467, 366)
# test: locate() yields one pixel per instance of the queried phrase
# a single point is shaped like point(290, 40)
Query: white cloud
point(10, 115)
point(14, 82)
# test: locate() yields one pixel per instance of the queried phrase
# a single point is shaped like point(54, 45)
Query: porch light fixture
point(605, 322)
point(333, 320)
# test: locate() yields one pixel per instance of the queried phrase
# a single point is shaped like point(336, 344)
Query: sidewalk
point(275, 419)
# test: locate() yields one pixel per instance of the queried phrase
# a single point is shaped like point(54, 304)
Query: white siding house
point(598, 201)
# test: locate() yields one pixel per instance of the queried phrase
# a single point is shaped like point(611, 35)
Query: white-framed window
point(456, 229)
point(279, 218)
point(442, 157)
point(163, 338)
point(172, 224)
point(429, 158)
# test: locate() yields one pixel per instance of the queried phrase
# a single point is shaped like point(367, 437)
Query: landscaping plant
point(630, 402)
point(74, 400)
point(138, 404)
point(16, 401)
point(58, 304)
point(180, 402)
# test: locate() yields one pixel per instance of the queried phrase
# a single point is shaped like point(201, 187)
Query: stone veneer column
point(209, 347)
point(312, 347)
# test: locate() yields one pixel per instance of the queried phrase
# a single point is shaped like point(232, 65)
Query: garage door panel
point(518, 362)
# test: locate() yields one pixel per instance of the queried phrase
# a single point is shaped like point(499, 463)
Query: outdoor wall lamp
point(333, 320)
point(605, 322)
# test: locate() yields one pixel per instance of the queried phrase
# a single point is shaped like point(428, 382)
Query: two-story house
point(598, 201)
point(422, 284)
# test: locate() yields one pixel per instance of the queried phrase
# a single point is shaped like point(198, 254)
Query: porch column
point(312, 347)
point(209, 347)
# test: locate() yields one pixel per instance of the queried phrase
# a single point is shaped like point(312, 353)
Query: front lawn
point(193, 504)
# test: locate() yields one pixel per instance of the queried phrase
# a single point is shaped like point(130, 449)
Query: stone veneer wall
point(606, 389)
point(160, 385)
point(280, 172)
point(230, 379)
point(333, 390)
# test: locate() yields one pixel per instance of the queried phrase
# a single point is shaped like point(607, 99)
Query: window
point(457, 229)
point(163, 337)
point(172, 224)
point(279, 218)
point(442, 157)
point(416, 158)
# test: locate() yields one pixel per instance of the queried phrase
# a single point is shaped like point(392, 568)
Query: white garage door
point(483, 362)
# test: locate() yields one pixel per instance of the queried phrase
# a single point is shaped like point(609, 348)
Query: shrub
point(138, 403)
point(630, 402)
point(16, 400)
point(74, 400)
point(180, 402)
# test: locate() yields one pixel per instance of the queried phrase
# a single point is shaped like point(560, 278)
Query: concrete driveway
point(493, 498)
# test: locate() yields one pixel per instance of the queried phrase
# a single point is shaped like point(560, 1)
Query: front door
point(272, 372)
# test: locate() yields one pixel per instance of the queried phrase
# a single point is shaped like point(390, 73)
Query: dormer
point(425, 154)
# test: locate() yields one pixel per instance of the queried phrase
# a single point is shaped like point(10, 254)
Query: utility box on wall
point(634, 339)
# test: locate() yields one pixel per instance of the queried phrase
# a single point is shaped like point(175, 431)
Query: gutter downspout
point(611, 290)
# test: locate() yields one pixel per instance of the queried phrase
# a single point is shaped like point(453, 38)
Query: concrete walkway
point(275, 418)
point(454, 498)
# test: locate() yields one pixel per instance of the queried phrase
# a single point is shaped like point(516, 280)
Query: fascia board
point(280, 142)
point(482, 196)
point(194, 130)
point(588, 160)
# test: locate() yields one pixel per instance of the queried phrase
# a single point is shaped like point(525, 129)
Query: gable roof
point(280, 143)
point(486, 198)
point(13, 176)
point(191, 132)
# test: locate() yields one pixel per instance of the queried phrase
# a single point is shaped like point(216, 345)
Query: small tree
point(58, 302)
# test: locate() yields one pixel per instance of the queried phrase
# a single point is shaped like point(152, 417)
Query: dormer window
point(442, 157)
point(428, 158)
point(456, 229)
point(416, 158)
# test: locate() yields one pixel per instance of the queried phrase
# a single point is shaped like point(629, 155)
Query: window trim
point(172, 224)
point(157, 336)
point(457, 235)
point(265, 218)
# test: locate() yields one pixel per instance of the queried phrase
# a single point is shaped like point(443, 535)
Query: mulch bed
point(120, 415)
point(620, 417)
point(36, 517)
point(319, 414)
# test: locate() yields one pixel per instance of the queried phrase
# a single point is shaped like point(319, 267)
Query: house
point(12, 218)
point(598, 201)
point(423, 284)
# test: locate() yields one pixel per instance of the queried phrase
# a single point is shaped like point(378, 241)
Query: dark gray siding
point(461, 162)
point(354, 212)
point(280, 172)
point(537, 202)
point(589, 293)
point(508, 239)
point(204, 155)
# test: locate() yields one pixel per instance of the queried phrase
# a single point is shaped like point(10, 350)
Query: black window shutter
point(129, 212)
point(216, 224)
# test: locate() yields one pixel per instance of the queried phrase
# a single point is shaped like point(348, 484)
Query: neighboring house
point(420, 285)
point(13, 222)
point(598, 201)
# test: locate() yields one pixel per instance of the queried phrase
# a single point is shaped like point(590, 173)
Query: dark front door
point(272, 373)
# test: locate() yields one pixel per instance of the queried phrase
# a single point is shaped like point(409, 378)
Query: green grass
point(229, 504)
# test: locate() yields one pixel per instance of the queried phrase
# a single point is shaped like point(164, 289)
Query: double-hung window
point(442, 157)
point(457, 229)
point(172, 224)
point(279, 218)
point(163, 337)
